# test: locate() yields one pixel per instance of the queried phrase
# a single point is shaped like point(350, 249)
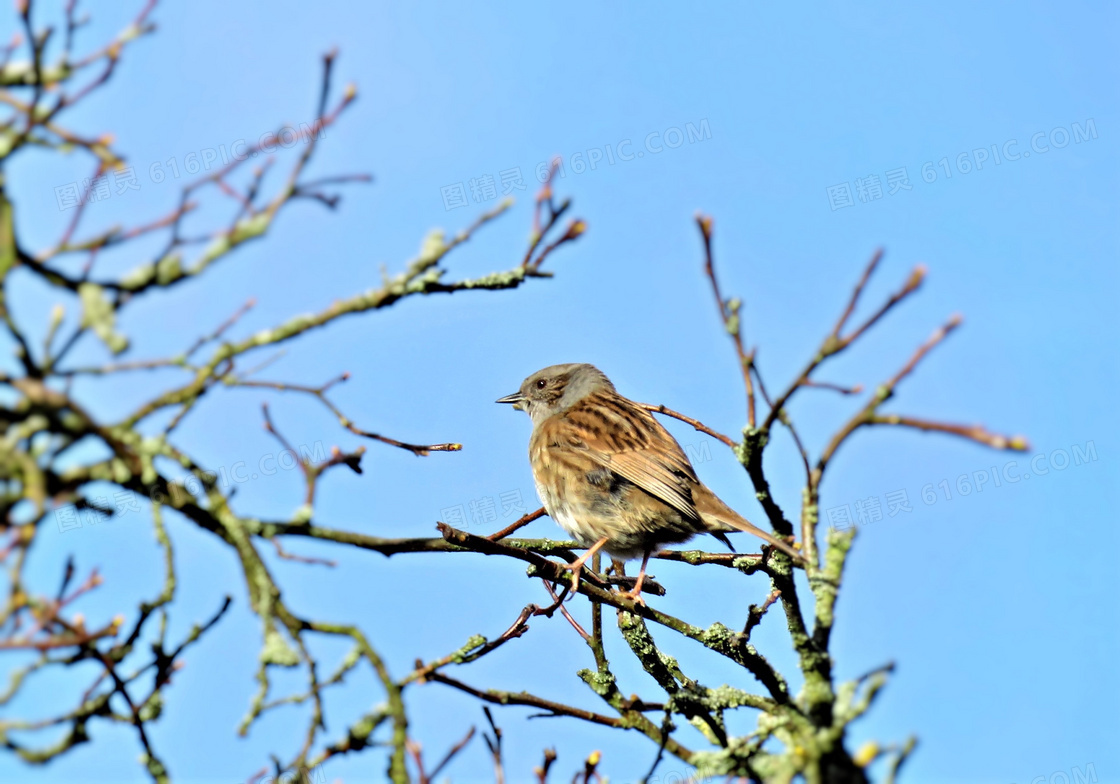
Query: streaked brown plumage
point(610, 474)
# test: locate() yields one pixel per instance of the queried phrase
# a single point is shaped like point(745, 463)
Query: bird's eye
point(541, 383)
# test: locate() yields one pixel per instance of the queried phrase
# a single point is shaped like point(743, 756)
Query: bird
point(612, 476)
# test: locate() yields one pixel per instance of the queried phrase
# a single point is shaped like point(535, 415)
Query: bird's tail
point(719, 518)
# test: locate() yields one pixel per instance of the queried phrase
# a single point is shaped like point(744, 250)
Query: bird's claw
point(634, 595)
point(576, 571)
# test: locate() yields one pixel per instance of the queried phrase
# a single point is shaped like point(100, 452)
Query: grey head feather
point(559, 387)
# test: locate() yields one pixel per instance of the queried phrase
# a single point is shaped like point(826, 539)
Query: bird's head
point(556, 388)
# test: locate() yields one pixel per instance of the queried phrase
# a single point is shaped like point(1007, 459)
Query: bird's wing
point(619, 435)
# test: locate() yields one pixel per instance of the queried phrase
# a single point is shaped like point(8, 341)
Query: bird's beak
point(515, 400)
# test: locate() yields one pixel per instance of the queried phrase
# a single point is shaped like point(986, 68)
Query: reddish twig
point(659, 409)
point(575, 227)
point(834, 387)
point(495, 746)
point(559, 603)
point(542, 771)
point(729, 315)
point(977, 433)
point(836, 340)
point(521, 522)
point(883, 393)
point(755, 612)
point(452, 752)
point(520, 625)
point(280, 551)
point(319, 392)
point(225, 325)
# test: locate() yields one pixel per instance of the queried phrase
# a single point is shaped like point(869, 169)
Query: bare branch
point(700, 426)
point(729, 315)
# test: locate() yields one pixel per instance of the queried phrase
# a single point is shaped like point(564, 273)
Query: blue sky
point(998, 606)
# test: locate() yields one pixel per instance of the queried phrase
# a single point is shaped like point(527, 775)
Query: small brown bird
point(611, 475)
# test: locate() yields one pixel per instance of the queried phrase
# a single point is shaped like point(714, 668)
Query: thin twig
point(729, 315)
point(836, 342)
point(559, 603)
point(495, 746)
point(977, 433)
point(319, 392)
point(517, 524)
point(755, 613)
point(451, 754)
point(700, 426)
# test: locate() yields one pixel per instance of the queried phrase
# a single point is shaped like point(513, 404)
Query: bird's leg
point(576, 566)
point(635, 593)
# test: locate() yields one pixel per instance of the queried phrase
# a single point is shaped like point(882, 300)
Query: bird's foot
point(576, 566)
point(634, 595)
point(576, 569)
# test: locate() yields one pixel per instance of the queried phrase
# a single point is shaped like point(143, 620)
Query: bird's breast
point(560, 476)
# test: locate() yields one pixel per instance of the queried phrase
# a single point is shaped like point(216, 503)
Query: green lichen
point(121, 474)
point(432, 249)
point(248, 228)
point(716, 636)
point(139, 277)
point(277, 651)
point(151, 710)
point(169, 269)
point(473, 644)
point(7, 237)
point(602, 683)
point(99, 315)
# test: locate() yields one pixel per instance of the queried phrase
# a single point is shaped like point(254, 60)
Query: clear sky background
point(998, 607)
